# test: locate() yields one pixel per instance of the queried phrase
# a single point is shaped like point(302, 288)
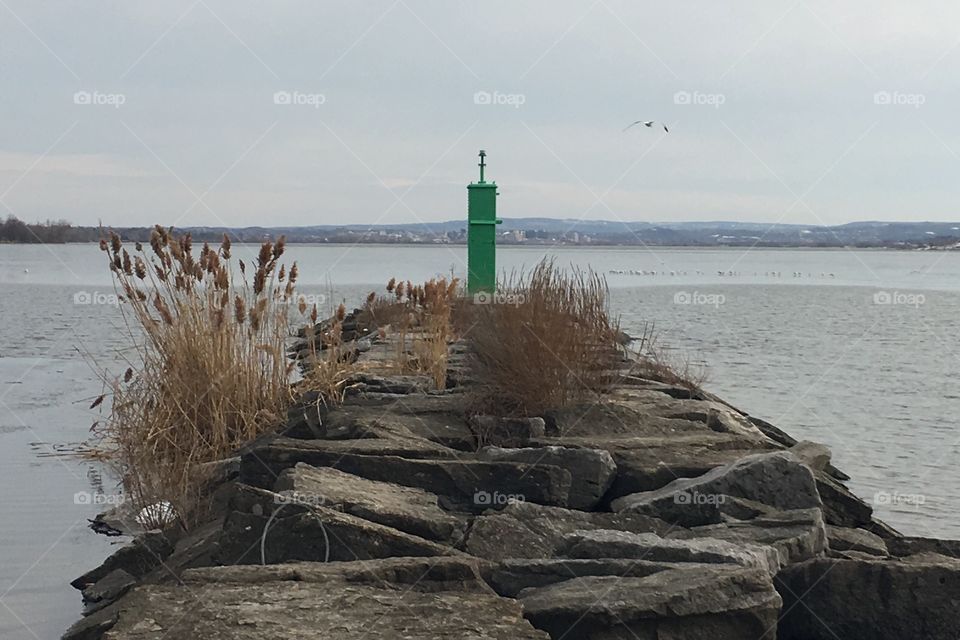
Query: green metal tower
point(482, 233)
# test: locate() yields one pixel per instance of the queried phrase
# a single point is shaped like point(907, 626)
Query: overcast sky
point(211, 112)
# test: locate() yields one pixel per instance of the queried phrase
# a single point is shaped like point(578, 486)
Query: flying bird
point(648, 124)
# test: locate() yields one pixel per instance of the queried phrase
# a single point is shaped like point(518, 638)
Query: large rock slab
point(408, 509)
point(510, 577)
point(869, 600)
point(727, 602)
point(776, 479)
point(841, 507)
point(467, 484)
point(389, 599)
point(795, 536)
point(859, 540)
point(592, 471)
point(651, 547)
point(525, 530)
point(299, 530)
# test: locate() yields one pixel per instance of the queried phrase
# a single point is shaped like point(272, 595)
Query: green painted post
point(482, 233)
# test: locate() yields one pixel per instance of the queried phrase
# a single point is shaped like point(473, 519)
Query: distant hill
point(547, 231)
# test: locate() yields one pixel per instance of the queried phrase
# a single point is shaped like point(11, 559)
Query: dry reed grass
point(543, 341)
point(210, 372)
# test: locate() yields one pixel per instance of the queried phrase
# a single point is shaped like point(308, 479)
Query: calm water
point(856, 349)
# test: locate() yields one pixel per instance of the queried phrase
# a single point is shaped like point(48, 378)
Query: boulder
point(407, 509)
point(535, 531)
point(506, 432)
point(840, 506)
point(299, 530)
point(831, 598)
point(387, 599)
point(796, 535)
point(845, 539)
point(510, 577)
point(725, 602)
point(471, 485)
point(107, 589)
point(776, 479)
point(813, 454)
point(651, 547)
point(591, 470)
point(143, 554)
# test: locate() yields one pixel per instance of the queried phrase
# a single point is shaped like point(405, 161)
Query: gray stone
point(840, 506)
point(510, 577)
point(299, 530)
point(525, 530)
point(142, 555)
point(591, 470)
point(845, 539)
point(813, 454)
point(726, 602)
point(405, 508)
point(506, 432)
point(796, 535)
point(776, 479)
point(397, 598)
point(651, 547)
point(107, 589)
point(468, 484)
point(826, 599)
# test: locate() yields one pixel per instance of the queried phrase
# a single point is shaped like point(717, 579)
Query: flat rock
point(795, 536)
point(726, 602)
point(139, 557)
point(404, 598)
point(776, 479)
point(407, 509)
point(840, 506)
point(107, 589)
point(813, 454)
point(845, 539)
point(299, 530)
point(469, 484)
point(525, 530)
point(592, 471)
point(831, 598)
point(651, 547)
point(510, 577)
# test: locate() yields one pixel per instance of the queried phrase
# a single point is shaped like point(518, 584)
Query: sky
point(227, 112)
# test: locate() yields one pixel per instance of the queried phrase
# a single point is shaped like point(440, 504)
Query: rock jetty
point(654, 513)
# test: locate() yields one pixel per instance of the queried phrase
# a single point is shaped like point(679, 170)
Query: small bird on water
point(646, 123)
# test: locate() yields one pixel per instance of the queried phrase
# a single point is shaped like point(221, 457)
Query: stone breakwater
point(655, 513)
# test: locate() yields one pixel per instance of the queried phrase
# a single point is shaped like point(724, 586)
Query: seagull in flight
point(647, 123)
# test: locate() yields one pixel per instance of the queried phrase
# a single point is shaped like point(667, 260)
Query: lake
point(855, 349)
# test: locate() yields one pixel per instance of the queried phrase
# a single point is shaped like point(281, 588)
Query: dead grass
point(656, 361)
point(545, 340)
point(210, 372)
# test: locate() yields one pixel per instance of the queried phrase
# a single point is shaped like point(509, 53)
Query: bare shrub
point(543, 341)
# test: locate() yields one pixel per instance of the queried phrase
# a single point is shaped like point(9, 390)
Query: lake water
point(856, 349)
